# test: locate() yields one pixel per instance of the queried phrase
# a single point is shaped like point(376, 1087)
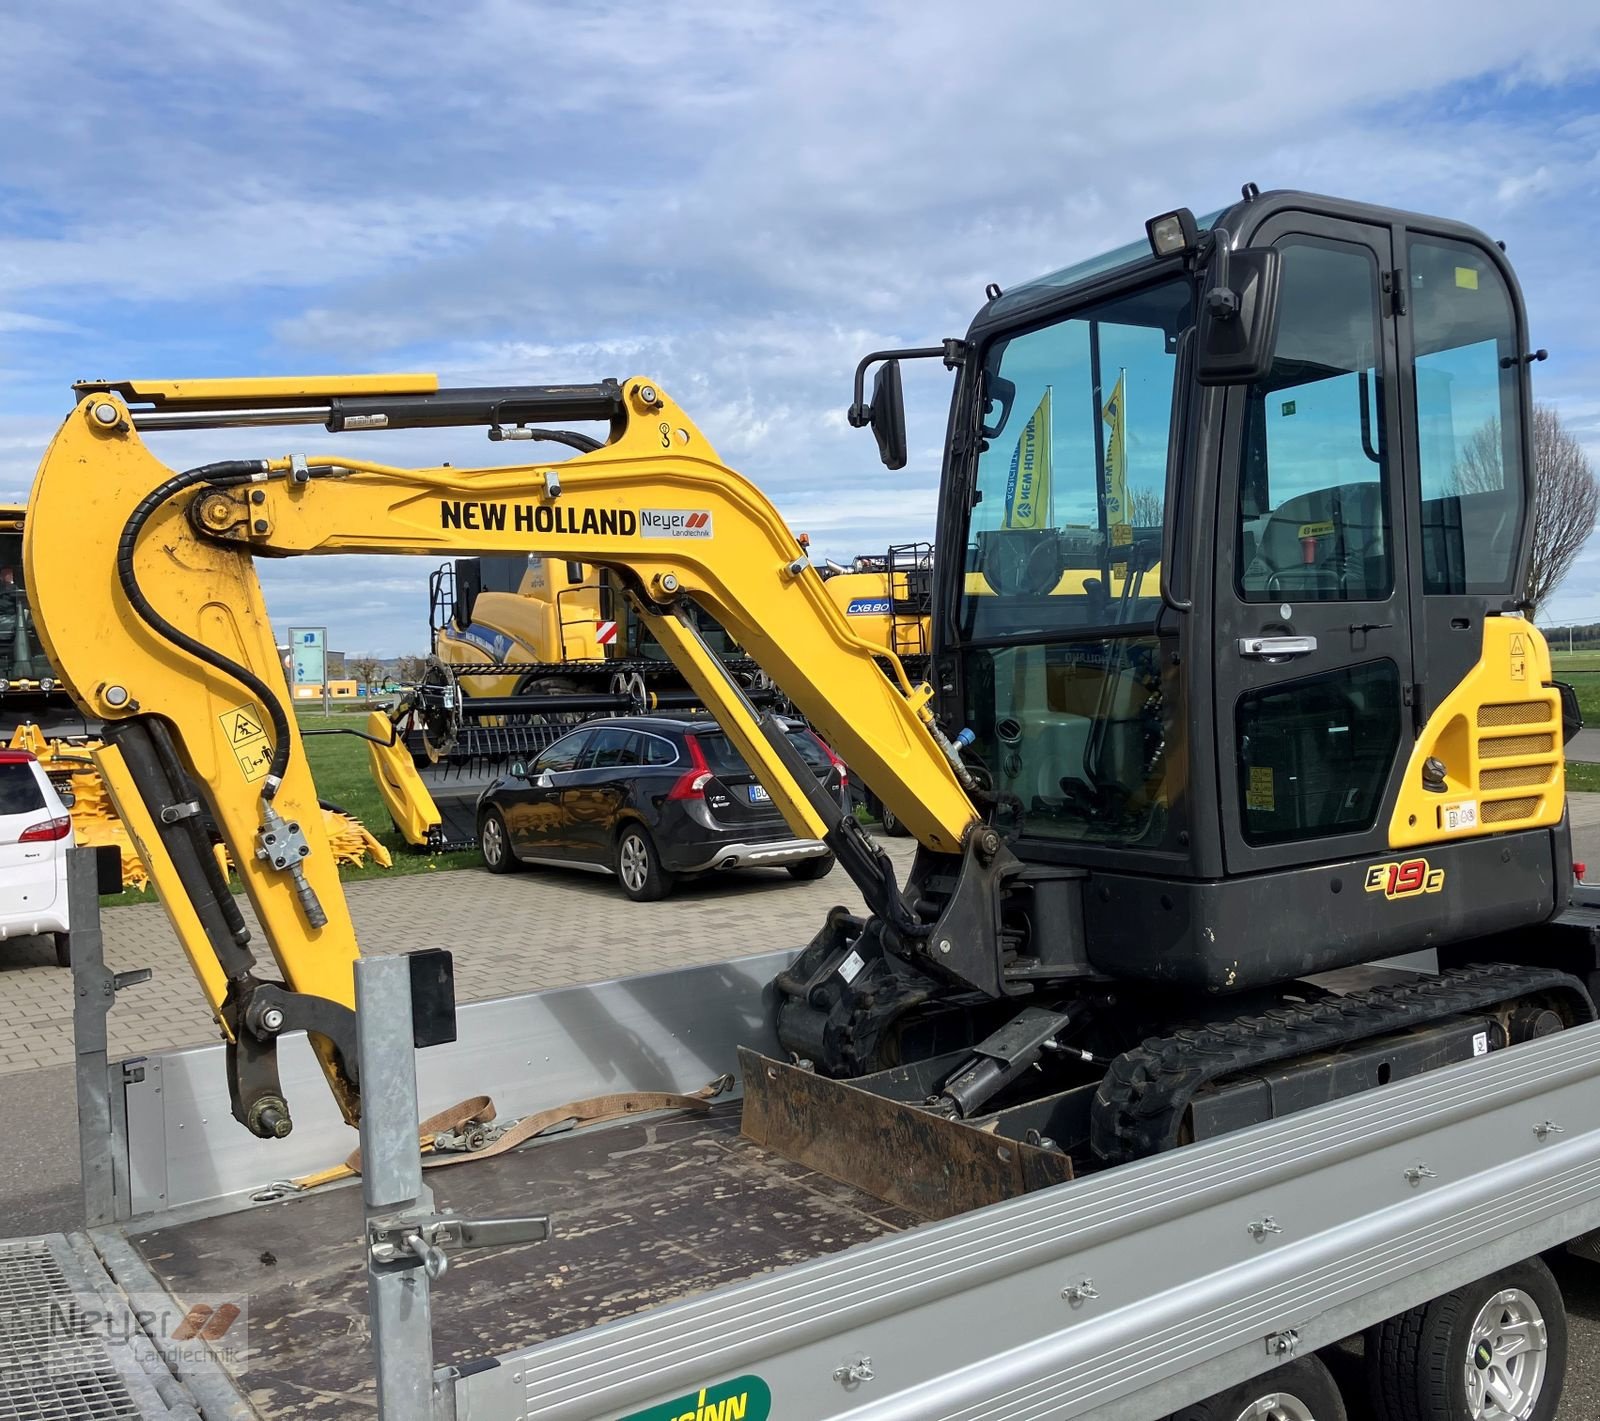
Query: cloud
point(736, 200)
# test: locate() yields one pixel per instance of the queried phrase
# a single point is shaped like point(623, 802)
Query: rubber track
point(1141, 1104)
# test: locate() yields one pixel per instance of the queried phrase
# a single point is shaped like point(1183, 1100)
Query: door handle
point(1276, 648)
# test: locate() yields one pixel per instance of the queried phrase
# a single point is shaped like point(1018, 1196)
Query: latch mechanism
point(424, 1240)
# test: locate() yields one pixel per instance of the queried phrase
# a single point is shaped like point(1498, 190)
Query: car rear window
point(724, 759)
point(19, 790)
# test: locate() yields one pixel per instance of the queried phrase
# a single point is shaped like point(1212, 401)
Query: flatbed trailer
point(692, 1273)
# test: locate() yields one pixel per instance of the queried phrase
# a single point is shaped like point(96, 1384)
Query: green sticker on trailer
point(742, 1399)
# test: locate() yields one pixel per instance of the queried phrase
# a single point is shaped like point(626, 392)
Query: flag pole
point(1097, 399)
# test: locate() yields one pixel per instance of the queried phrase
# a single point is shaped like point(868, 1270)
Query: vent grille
point(1497, 811)
point(1503, 746)
point(1513, 713)
point(1516, 776)
point(53, 1364)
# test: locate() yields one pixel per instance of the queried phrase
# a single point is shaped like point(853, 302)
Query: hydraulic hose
point(227, 473)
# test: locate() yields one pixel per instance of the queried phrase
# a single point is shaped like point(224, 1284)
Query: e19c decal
point(1405, 879)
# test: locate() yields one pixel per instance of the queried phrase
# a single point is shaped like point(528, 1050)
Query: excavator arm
point(146, 597)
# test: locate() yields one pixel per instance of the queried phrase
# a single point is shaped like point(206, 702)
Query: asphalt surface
point(527, 948)
point(1585, 746)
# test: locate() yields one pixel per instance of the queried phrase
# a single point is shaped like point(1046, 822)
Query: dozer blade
point(899, 1153)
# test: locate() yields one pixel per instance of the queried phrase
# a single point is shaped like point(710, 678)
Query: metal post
point(392, 1187)
point(94, 989)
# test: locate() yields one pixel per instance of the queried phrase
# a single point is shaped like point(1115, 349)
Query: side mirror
point(887, 415)
point(469, 586)
point(1571, 710)
point(1238, 326)
point(519, 770)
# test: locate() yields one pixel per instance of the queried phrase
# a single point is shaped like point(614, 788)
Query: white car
point(35, 834)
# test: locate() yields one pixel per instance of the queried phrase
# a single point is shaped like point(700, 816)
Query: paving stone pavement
point(512, 933)
point(518, 933)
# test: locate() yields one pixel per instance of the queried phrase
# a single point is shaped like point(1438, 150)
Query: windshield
point(1065, 531)
point(21, 656)
point(1066, 689)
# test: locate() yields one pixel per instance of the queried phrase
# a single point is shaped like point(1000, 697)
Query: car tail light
point(692, 782)
point(46, 830)
point(16, 757)
point(838, 764)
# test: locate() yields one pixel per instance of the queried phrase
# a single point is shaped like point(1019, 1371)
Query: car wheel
point(891, 822)
point(494, 842)
point(809, 870)
point(1495, 1348)
point(63, 949)
point(638, 866)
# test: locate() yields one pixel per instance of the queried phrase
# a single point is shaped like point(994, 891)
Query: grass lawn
point(1583, 777)
point(1581, 670)
point(339, 766)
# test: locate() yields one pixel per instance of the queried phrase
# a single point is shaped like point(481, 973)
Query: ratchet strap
point(466, 1131)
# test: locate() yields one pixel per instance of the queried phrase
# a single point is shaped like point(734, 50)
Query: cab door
point(1313, 655)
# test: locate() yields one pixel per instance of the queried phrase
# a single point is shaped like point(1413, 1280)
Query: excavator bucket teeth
point(933, 1166)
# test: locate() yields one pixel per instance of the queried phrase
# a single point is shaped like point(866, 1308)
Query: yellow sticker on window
point(243, 730)
point(1260, 794)
point(1315, 530)
point(1121, 534)
point(1467, 278)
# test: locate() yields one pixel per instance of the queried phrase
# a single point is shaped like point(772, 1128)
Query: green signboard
point(742, 1399)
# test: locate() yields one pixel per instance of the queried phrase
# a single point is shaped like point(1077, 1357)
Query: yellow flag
point(1028, 488)
point(1114, 413)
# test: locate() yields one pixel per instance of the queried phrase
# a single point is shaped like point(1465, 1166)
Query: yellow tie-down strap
point(471, 1122)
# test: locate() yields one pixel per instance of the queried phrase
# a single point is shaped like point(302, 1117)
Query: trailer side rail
point(1125, 1295)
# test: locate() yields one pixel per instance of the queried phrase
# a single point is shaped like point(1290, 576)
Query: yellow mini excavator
point(1177, 782)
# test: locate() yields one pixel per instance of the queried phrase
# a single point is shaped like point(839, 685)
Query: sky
point(736, 200)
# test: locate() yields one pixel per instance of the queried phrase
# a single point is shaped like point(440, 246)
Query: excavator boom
point(146, 597)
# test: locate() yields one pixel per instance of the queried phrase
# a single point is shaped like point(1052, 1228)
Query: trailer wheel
point(1301, 1390)
point(1495, 1350)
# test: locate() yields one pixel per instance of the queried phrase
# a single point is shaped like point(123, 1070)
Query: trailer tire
point(63, 946)
point(1305, 1388)
point(1418, 1363)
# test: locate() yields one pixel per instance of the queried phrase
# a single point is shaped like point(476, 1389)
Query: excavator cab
point(1245, 511)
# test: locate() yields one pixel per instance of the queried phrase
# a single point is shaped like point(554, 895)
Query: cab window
point(1313, 515)
point(1469, 431)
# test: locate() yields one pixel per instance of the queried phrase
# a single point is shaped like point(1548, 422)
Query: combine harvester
point(1122, 1106)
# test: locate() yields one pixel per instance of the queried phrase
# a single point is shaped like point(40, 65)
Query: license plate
point(758, 794)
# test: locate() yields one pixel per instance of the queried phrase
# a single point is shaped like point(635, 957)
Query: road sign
point(308, 656)
point(308, 646)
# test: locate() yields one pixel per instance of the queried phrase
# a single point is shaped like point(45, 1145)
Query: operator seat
point(1329, 542)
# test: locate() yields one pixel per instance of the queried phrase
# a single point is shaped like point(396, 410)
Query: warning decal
point(251, 748)
point(1519, 658)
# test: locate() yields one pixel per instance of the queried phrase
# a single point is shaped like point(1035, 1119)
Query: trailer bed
point(644, 1213)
